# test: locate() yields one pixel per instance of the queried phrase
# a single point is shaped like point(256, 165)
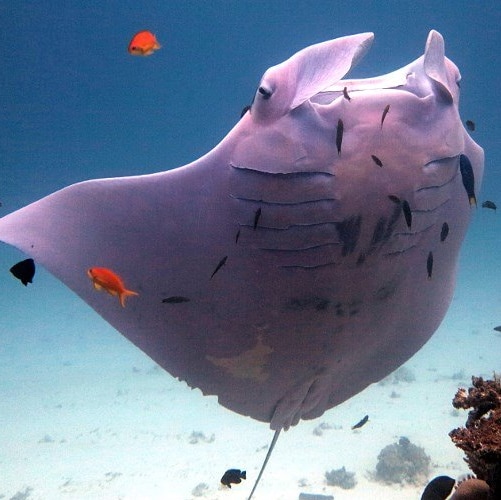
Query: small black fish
point(497, 328)
point(489, 204)
point(222, 262)
point(470, 125)
point(339, 135)
point(429, 264)
point(385, 112)
point(393, 198)
point(445, 231)
point(407, 213)
point(175, 299)
point(377, 161)
point(468, 178)
point(361, 423)
point(345, 94)
point(24, 271)
point(257, 215)
point(244, 110)
point(438, 488)
point(237, 236)
point(234, 476)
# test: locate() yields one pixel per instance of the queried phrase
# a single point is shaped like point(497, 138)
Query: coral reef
point(200, 490)
point(471, 489)
point(403, 374)
point(311, 496)
point(200, 437)
point(402, 462)
point(23, 495)
point(480, 439)
point(341, 477)
point(319, 429)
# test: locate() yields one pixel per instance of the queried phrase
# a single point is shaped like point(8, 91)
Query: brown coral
point(471, 489)
point(402, 462)
point(480, 439)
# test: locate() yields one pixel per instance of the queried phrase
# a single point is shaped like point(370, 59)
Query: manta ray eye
point(265, 92)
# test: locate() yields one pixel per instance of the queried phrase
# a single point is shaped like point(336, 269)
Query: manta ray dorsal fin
point(308, 72)
point(443, 72)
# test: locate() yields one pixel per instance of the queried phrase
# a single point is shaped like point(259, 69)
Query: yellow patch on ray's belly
point(250, 364)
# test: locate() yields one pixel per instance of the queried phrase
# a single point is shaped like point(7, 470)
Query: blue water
point(76, 105)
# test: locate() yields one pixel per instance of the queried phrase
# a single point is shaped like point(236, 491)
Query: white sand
point(85, 415)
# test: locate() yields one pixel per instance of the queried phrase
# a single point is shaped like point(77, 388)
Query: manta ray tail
point(268, 455)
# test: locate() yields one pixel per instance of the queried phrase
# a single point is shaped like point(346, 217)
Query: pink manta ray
point(287, 269)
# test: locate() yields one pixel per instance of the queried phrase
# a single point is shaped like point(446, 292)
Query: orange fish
point(143, 43)
point(105, 279)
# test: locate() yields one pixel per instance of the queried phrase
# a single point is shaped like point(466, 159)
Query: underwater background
point(83, 413)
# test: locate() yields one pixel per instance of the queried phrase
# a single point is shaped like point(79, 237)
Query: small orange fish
point(143, 43)
point(105, 279)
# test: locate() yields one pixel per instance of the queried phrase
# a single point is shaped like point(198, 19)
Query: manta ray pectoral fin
point(309, 71)
point(442, 71)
